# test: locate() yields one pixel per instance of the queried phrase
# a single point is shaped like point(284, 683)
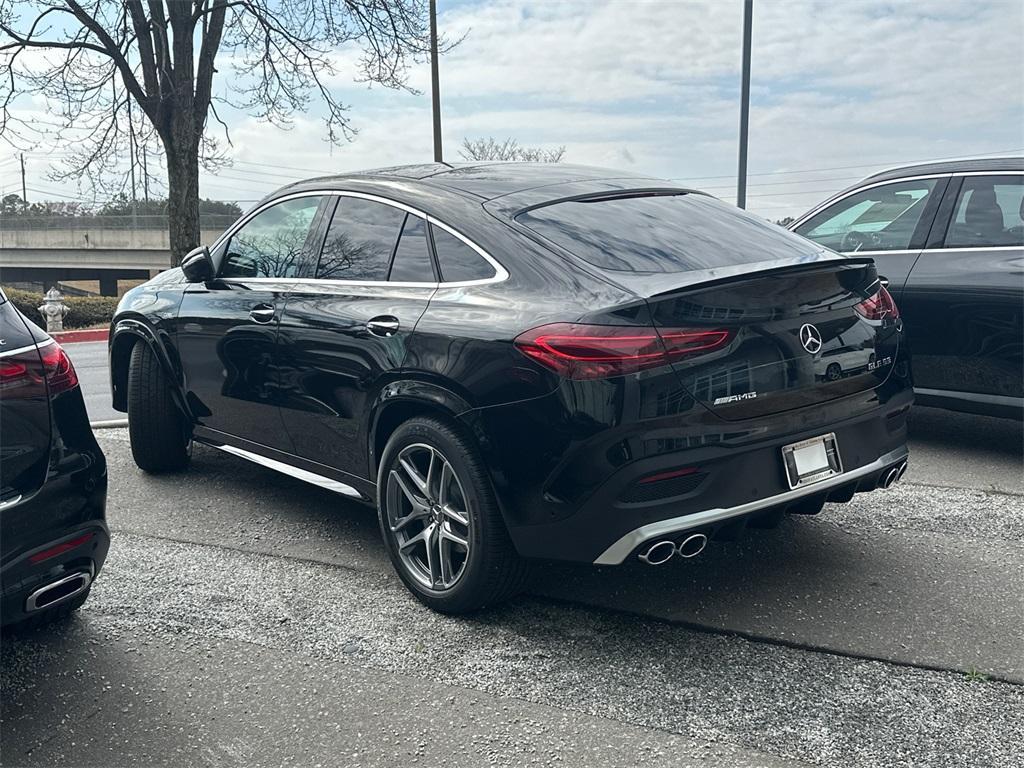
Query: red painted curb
point(70, 337)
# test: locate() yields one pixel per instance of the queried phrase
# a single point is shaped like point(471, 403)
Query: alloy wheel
point(428, 516)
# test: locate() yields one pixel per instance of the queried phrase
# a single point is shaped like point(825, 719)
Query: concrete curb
point(70, 337)
point(111, 424)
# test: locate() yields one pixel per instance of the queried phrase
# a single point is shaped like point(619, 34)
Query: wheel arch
point(125, 334)
point(404, 400)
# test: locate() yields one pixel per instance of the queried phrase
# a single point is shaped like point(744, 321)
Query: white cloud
point(653, 86)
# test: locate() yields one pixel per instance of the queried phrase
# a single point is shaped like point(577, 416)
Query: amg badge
point(735, 398)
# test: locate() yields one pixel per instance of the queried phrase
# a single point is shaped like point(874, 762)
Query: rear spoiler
point(710, 278)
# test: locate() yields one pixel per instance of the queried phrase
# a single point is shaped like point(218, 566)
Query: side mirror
point(197, 265)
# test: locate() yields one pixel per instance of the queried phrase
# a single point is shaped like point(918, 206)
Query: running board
point(287, 469)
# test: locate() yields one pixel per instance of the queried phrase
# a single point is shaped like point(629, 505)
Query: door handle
point(262, 313)
point(385, 326)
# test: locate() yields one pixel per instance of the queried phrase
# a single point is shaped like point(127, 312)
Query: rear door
point(227, 328)
point(24, 409)
point(345, 334)
point(964, 300)
point(888, 222)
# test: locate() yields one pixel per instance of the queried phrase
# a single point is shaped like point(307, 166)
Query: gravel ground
point(813, 707)
point(949, 511)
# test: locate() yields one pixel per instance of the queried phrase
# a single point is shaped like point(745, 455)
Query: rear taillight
point(879, 306)
point(49, 363)
point(60, 373)
point(601, 351)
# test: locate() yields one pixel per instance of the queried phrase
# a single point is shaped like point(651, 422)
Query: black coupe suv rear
point(522, 361)
point(53, 479)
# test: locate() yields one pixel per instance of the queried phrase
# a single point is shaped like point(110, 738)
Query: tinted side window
point(456, 260)
point(360, 240)
point(412, 262)
point(273, 242)
point(989, 212)
point(882, 218)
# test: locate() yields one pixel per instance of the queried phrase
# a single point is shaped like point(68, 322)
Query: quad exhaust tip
point(692, 545)
point(893, 476)
point(660, 552)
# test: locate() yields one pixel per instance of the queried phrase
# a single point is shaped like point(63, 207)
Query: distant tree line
point(12, 206)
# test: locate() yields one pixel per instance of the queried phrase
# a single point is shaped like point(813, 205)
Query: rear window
point(662, 233)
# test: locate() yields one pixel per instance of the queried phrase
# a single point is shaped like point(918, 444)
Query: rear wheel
point(158, 431)
point(440, 520)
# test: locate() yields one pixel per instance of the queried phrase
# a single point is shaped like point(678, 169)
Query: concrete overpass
point(85, 250)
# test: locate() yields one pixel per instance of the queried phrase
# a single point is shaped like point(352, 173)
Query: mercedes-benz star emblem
point(810, 338)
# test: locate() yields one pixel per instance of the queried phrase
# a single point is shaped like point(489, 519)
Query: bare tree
point(509, 149)
point(128, 74)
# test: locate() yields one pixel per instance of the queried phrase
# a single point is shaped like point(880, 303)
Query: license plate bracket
point(811, 461)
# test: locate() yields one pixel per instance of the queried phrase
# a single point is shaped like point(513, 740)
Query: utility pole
point(741, 179)
point(24, 192)
point(435, 92)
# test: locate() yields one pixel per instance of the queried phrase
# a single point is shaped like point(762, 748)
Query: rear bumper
point(72, 507)
point(586, 500)
point(865, 478)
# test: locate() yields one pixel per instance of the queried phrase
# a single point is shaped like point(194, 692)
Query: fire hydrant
point(54, 311)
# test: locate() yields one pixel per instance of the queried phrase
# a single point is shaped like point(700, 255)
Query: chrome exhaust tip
point(59, 591)
point(658, 553)
point(692, 545)
point(893, 476)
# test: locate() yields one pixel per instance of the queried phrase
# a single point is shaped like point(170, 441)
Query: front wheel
point(157, 429)
point(440, 520)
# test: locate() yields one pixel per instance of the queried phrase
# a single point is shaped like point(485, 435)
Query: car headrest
point(983, 211)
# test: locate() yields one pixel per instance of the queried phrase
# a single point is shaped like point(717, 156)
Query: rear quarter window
point(662, 233)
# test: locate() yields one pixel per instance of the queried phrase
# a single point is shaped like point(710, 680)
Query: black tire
point(834, 372)
point(493, 571)
point(48, 616)
point(158, 431)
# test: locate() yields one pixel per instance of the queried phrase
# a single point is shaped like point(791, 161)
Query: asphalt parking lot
point(245, 618)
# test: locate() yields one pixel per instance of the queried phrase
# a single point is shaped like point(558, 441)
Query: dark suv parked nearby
point(521, 361)
point(53, 479)
point(949, 238)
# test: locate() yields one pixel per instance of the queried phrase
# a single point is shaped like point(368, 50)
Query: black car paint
point(60, 497)
point(560, 452)
point(963, 308)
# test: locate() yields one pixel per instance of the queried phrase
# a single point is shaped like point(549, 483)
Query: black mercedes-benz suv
point(521, 361)
point(53, 479)
point(949, 239)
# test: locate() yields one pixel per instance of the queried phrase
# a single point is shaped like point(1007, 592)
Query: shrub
point(85, 311)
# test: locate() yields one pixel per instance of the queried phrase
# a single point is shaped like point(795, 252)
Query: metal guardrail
point(214, 221)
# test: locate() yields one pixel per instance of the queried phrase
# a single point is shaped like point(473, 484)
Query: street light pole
point(435, 92)
point(741, 179)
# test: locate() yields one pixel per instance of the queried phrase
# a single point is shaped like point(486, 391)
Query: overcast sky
point(844, 87)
